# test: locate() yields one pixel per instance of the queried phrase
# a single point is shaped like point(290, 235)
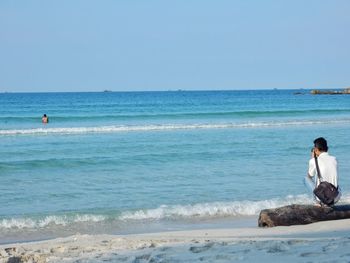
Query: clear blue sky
point(126, 45)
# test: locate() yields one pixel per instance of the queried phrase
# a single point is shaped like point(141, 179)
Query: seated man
point(327, 165)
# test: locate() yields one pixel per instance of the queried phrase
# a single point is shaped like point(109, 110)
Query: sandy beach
point(174, 131)
point(327, 241)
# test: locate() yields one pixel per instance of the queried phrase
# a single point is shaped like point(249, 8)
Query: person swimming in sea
point(45, 119)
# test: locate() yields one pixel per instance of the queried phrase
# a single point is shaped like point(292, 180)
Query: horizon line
point(170, 90)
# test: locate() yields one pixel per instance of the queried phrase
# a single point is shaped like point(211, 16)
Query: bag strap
point(319, 173)
point(318, 169)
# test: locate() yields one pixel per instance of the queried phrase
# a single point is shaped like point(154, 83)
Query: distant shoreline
point(331, 92)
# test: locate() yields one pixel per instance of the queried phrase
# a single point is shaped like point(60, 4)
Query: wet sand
point(322, 241)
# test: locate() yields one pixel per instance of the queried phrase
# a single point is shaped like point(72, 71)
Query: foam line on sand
point(294, 243)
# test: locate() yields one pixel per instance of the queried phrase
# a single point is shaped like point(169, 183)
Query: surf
point(163, 212)
point(166, 127)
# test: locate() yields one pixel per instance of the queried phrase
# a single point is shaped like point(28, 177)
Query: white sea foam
point(201, 210)
point(63, 220)
point(216, 209)
point(165, 127)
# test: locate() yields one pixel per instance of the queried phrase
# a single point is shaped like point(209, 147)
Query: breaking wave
point(216, 209)
point(165, 127)
point(64, 220)
point(163, 212)
point(201, 210)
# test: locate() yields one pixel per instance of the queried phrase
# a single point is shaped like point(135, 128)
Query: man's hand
point(312, 154)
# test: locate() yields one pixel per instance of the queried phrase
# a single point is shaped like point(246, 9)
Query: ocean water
point(121, 162)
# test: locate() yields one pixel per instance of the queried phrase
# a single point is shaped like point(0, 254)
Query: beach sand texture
point(327, 241)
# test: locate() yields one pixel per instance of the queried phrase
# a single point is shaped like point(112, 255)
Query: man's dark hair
point(321, 144)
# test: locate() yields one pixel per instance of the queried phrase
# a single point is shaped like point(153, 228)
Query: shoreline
point(25, 235)
point(184, 243)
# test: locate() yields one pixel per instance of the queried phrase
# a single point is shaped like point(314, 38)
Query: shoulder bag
point(325, 191)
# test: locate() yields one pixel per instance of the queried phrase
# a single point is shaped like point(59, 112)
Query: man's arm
point(312, 168)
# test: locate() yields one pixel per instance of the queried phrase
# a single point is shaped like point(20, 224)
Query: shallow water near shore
point(113, 228)
point(143, 161)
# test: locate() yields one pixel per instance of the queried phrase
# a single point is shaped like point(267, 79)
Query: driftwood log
point(301, 215)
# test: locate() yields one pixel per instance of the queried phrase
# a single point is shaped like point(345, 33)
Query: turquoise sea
point(122, 162)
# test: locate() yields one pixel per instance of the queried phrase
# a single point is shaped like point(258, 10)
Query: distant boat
point(298, 93)
point(106, 90)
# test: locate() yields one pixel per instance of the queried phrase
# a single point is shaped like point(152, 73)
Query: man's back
point(328, 168)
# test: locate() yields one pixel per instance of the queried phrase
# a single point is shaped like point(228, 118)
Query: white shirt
point(328, 168)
